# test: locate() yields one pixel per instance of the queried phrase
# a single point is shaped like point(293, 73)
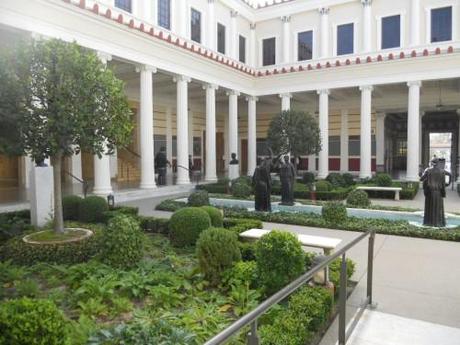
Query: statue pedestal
point(41, 195)
point(233, 171)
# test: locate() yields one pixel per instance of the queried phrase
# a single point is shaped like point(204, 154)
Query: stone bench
point(327, 244)
point(396, 190)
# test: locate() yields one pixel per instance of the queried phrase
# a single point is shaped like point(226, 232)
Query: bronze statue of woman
point(434, 189)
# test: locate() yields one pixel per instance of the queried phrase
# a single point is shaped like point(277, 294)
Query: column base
point(365, 176)
point(211, 179)
point(183, 182)
point(148, 186)
point(321, 176)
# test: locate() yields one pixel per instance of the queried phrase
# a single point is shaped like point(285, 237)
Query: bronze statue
point(434, 189)
point(262, 183)
point(287, 178)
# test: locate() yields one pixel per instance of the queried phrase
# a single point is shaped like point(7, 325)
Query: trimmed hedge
point(358, 198)
point(154, 225)
point(216, 215)
point(324, 186)
point(383, 180)
point(170, 205)
point(216, 188)
point(198, 198)
point(32, 322)
point(240, 225)
point(93, 209)
point(334, 212)
point(308, 178)
point(14, 224)
point(336, 179)
point(348, 179)
point(186, 225)
point(71, 206)
point(241, 190)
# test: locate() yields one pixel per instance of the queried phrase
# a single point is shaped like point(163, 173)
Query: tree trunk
point(58, 215)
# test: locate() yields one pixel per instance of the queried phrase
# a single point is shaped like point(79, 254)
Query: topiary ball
point(334, 212)
point(217, 249)
point(32, 322)
point(323, 186)
point(241, 190)
point(383, 180)
point(280, 259)
point(122, 242)
point(308, 178)
point(198, 198)
point(336, 179)
point(71, 207)
point(358, 198)
point(217, 219)
point(92, 209)
point(186, 225)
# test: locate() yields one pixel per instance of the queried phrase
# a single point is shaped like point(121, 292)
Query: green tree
point(57, 99)
point(294, 132)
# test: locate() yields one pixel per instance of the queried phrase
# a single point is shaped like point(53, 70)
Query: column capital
point(252, 26)
point(324, 11)
point(286, 19)
point(252, 98)
point(210, 86)
point(178, 78)
point(417, 83)
point(283, 95)
point(366, 88)
point(366, 2)
point(146, 68)
point(104, 57)
point(232, 93)
point(323, 92)
point(233, 13)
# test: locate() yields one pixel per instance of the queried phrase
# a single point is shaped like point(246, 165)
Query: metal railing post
point(370, 266)
point(343, 301)
point(253, 337)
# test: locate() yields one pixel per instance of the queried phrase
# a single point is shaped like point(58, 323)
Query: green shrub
point(242, 273)
point(334, 212)
point(93, 209)
point(122, 242)
point(170, 205)
point(239, 225)
point(32, 322)
point(248, 251)
point(358, 198)
point(246, 180)
point(217, 250)
point(308, 178)
point(186, 225)
point(324, 186)
point(280, 259)
point(13, 224)
point(241, 190)
point(217, 188)
point(383, 180)
point(334, 270)
point(71, 206)
point(348, 179)
point(126, 210)
point(336, 179)
point(198, 198)
point(155, 225)
point(217, 219)
point(23, 253)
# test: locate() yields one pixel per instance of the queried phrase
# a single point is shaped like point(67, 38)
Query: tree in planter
point(294, 132)
point(58, 99)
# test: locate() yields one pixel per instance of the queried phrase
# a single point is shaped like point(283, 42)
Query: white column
point(145, 11)
point(366, 139)
point(211, 25)
point(76, 167)
point(146, 128)
point(26, 165)
point(324, 31)
point(233, 121)
point(367, 25)
point(190, 133)
point(344, 141)
point(211, 171)
point(252, 134)
point(323, 164)
point(169, 138)
point(413, 131)
point(415, 23)
point(233, 47)
point(182, 129)
point(181, 21)
point(458, 151)
point(285, 101)
point(252, 45)
point(102, 182)
point(286, 39)
point(380, 141)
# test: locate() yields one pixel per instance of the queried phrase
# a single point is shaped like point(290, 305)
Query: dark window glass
point(441, 24)
point(123, 4)
point(242, 51)
point(269, 51)
point(196, 146)
point(305, 45)
point(174, 146)
point(220, 38)
point(164, 14)
point(391, 32)
point(354, 146)
point(334, 146)
point(262, 147)
point(159, 142)
point(345, 39)
point(196, 26)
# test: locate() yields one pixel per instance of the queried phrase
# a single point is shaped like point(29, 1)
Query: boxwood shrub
point(186, 225)
point(241, 190)
point(154, 225)
point(336, 179)
point(324, 186)
point(32, 322)
point(334, 212)
point(170, 205)
point(93, 209)
point(198, 198)
point(71, 206)
point(308, 178)
point(240, 225)
point(348, 179)
point(358, 198)
point(217, 188)
point(216, 215)
point(383, 180)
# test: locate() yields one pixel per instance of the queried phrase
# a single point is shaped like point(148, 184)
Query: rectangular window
point(159, 142)
point(345, 39)
point(354, 145)
point(305, 45)
point(334, 146)
point(195, 21)
point(441, 24)
point(391, 32)
point(269, 51)
point(242, 51)
point(220, 38)
point(164, 14)
point(123, 4)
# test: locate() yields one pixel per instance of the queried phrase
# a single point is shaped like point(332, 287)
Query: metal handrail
point(251, 317)
point(189, 170)
point(83, 182)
